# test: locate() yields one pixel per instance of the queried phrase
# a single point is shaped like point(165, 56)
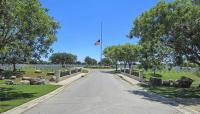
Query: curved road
point(102, 93)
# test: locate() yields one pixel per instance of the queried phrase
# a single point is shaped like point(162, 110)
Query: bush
point(197, 73)
point(84, 71)
point(135, 72)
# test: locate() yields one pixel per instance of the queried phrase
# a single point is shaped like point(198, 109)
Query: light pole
point(101, 43)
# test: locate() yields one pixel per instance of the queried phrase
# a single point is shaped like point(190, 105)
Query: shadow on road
point(170, 101)
point(108, 71)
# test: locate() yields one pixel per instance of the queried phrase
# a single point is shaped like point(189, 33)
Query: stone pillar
point(141, 75)
point(58, 75)
point(70, 72)
point(130, 70)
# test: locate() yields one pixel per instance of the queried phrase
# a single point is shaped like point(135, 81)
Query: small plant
point(84, 71)
point(197, 73)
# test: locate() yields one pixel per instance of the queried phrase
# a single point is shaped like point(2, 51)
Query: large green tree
point(114, 53)
point(90, 61)
point(130, 53)
point(170, 27)
point(63, 58)
point(127, 53)
point(106, 62)
point(26, 29)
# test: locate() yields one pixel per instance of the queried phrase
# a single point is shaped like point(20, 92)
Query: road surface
point(102, 93)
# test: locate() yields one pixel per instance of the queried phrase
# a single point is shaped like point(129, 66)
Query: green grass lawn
point(173, 92)
point(173, 75)
point(15, 95)
point(192, 92)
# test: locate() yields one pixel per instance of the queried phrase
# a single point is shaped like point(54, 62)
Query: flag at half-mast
point(97, 43)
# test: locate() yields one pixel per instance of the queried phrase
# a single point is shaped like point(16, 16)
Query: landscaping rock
point(19, 74)
point(74, 71)
point(175, 83)
point(38, 71)
point(40, 77)
point(166, 83)
point(9, 82)
point(155, 81)
point(13, 77)
point(52, 79)
point(68, 72)
point(184, 82)
point(2, 77)
point(27, 78)
point(50, 73)
point(37, 81)
point(79, 70)
point(62, 74)
point(127, 71)
point(25, 82)
point(1, 70)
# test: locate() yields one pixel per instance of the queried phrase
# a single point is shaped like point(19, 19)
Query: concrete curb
point(128, 79)
point(180, 108)
point(22, 108)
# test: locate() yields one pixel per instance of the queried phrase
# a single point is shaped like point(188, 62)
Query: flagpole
point(101, 43)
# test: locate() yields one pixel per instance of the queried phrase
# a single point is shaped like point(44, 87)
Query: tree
point(106, 62)
point(114, 53)
point(170, 26)
point(126, 53)
point(78, 63)
point(26, 30)
point(90, 61)
point(130, 54)
point(63, 58)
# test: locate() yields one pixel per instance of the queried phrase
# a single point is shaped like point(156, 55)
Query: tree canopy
point(26, 30)
point(63, 58)
point(106, 62)
point(90, 61)
point(170, 30)
point(127, 53)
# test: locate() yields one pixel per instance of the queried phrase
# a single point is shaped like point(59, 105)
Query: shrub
point(84, 71)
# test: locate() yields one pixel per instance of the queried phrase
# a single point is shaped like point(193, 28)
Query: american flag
point(97, 43)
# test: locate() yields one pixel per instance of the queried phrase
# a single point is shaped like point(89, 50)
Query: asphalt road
point(102, 93)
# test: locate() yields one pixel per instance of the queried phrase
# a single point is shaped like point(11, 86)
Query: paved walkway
point(102, 93)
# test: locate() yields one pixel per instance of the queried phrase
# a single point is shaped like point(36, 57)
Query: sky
point(80, 22)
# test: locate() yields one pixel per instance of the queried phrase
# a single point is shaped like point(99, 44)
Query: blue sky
point(80, 23)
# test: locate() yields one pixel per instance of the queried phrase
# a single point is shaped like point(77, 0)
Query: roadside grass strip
point(12, 96)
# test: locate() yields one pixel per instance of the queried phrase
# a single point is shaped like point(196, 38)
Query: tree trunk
point(116, 66)
point(130, 65)
point(14, 67)
point(125, 65)
point(154, 71)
